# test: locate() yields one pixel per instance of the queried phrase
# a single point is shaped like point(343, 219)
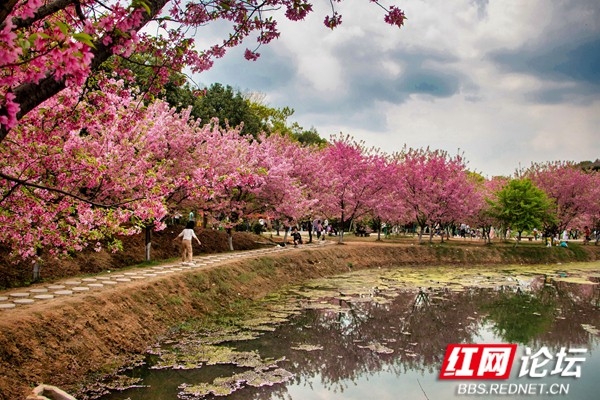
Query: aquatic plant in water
point(306, 347)
point(377, 348)
point(225, 386)
point(192, 355)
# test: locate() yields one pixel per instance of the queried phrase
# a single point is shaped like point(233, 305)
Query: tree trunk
point(341, 239)
point(148, 240)
point(420, 234)
point(6, 9)
point(230, 238)
point(518, 239)
point(37, 266)
point(486, 234)
point(285, 232)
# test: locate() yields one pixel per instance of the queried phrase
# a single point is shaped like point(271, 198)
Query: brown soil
point(68, 341)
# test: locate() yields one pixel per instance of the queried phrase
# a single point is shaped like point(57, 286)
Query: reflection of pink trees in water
point(576, 305)
point(417, 326)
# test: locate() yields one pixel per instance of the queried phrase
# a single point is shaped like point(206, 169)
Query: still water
point(383, 334)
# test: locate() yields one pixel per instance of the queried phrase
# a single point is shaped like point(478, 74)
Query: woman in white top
point(186, 244)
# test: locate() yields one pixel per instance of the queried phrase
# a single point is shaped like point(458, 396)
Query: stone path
point(73, 287)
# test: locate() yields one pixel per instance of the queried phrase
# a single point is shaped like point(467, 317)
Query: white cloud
point(506, 81)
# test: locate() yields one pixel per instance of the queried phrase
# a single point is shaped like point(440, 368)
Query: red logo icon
point(478, 361)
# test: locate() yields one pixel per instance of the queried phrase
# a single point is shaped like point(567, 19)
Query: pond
point(384, 334)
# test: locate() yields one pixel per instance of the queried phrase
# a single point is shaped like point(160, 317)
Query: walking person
point(586, 234)
point(186, 243)
point(319, 229)
point(192, 219)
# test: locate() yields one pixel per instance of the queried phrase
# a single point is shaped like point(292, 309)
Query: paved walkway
point(72, 287)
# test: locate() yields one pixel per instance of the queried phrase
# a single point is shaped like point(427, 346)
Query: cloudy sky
point(504, 82)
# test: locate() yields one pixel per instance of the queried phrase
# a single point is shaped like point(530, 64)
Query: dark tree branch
point(30, 95)
point(6, 8)
point(65, 193)
point(43, 12)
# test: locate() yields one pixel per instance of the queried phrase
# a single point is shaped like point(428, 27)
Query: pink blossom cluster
point(395, 16)
point(47, 46)
point(333, 21)
point(83, 169)
point(297, 10)
point(574, 192)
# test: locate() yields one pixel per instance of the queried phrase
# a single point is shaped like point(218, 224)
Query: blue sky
point(504, 82)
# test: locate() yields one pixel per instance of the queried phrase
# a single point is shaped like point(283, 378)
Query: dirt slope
point(68, 340)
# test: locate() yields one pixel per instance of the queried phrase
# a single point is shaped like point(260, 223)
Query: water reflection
point(370, 335)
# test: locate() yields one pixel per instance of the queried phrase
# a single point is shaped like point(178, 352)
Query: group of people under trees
point(318, 228)
point(322, 228)
point(574, 235)
point(587, 235)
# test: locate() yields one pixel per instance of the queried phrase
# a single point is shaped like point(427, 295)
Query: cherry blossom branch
point(65, 193)
point(43, 12)
point(6, 7)
point(31, 94)
point(75, 48)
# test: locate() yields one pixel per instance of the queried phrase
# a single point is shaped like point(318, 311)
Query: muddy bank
point(70, 340)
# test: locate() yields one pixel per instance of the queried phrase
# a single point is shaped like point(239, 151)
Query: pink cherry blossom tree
point(271, 176)
point(47, 46)
point(485, 194)
point(383, 206)
point(355, 179)
point(287, 193)
point(71, 174)
point(57, 47)
point(230, 162)
point(575, 192)
point(435, 188)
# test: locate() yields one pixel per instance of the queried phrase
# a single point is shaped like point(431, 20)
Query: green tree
point(275, 120)
point(179, 96)
point(522, 206)
point(310, 138)
point(229, 106)
point(589, 165)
